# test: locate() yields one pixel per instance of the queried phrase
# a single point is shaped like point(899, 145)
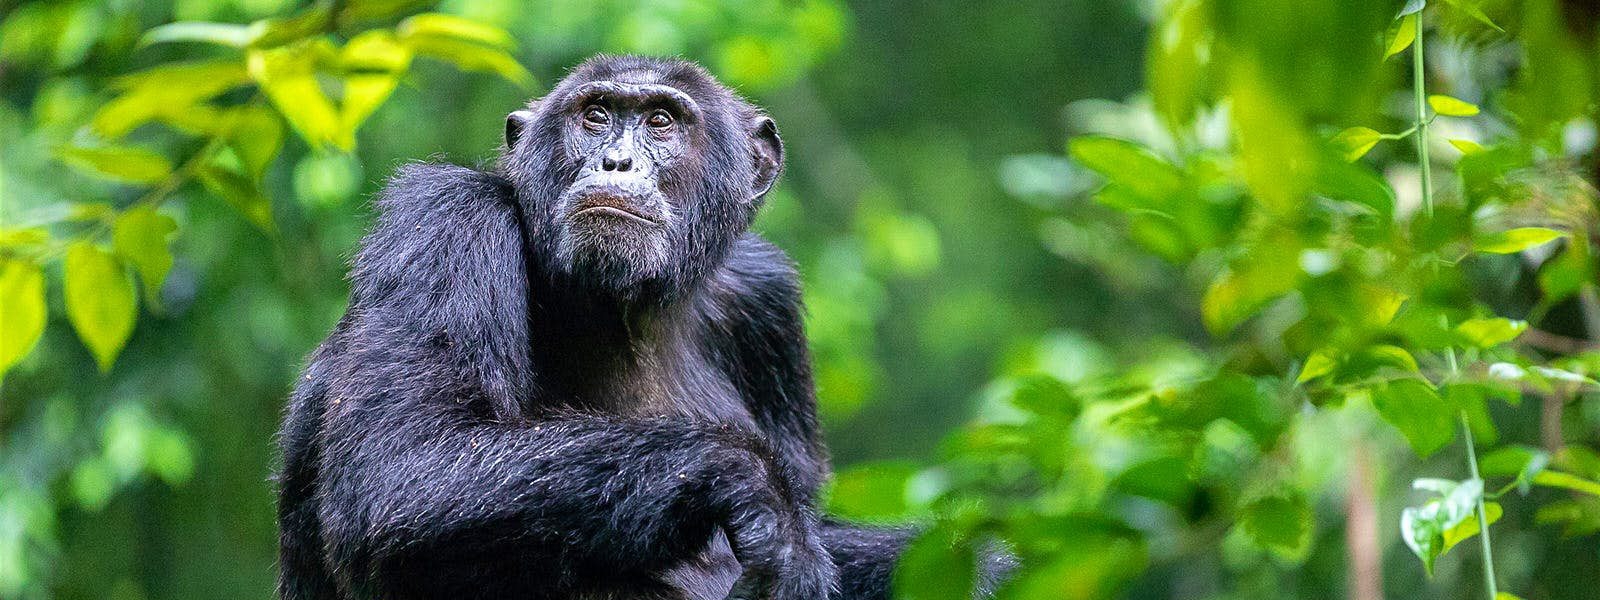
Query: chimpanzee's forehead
point(684, 76)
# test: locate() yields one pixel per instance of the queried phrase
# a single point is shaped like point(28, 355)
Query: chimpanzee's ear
point(766, 149)
point(517, 122)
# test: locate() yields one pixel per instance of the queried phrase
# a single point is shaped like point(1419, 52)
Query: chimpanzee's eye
point(659, 120)
point(596, 115)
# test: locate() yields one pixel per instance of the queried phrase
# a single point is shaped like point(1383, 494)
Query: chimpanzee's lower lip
point(612, 211)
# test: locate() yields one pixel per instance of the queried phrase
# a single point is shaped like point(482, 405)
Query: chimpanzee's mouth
point(612, 205)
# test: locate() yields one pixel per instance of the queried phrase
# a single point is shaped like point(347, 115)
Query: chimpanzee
point(575, 375)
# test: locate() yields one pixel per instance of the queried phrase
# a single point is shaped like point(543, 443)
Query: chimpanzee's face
point(640, 172)
point(632, 144)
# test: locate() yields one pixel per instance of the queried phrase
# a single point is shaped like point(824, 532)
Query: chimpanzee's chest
point(675, 380)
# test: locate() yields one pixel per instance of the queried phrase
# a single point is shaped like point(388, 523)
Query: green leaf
point(1400, 37)
point(1467, 528)
point(1557, 479)
point(225, 34)
point(1471, 8)
point(1178, 53)
point(1281, 523)
point(101, 301)
point(165, 91)
point(937, 565)
point(374, 62)
point(1451, 107)
point(1130, 166)
point(1412, 406)
point(1506, 596)
point(1420, 530)
point(240, 192)
point(451, 26)
point(288, 75)
point(140, 238)
point(256, 138)
point(872, 491)
point(1488, 333)
point(118, 163)
point(1355, 142)
point(22, 310)
point(1045, 395)
point(1466, 146)
point(1516, 240)
point(1321, 362)
point(471, 57)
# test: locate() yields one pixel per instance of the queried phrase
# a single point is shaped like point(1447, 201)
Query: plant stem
point(1483, 516)
point(1419, 89)
point(1472, 467)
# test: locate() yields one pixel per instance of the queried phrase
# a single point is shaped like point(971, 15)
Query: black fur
point(522, 402)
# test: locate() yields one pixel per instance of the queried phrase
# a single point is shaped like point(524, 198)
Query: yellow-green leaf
point(22, 310)
point(140, 238)
point(240, 192)
point(1466, 146)
point(1405, 32)
point(288, 75)
point(101, 301)
point(1506, 596)
point(257, 136)
point(1451, 107)
point(1516, 240)
point(1355, 142)
point(1488, 333)
point(1567, 481)
point(451, 26)
point(225, 34)
point(125, 164)
point(471, 57)
point(1464, 530)
point(1473, 10)
point(1318, 364)
point(165, 91)
point(373, 62)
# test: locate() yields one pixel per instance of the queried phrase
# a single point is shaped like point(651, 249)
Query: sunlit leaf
point(1557, 479)
point(1178, 54)
point(101, 300)
point(1353, 143)
point(140, 238)
point(240, 192)
point(1466, 146)
point(256, 137)
point(1422, 534)
point(125, 164)
point(1516, 240)
point(451, 26)
point(225, 34)
point(1413, 7)
point(22, 310)
point(1128, 165)
point(1404, 32)
point(1471, 8)
point(1467, 528)
point(1451, 107)
point(1275, 154)
point(288, 75)
point(1488, 333)
point(373, 62)
point(165, 91)
point(471, 57)
point(1321, 362)
point(1414, 408)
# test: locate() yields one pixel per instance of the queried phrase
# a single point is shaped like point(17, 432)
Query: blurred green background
point(948, 244)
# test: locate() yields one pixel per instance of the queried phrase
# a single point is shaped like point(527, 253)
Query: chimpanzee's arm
point(432, 477)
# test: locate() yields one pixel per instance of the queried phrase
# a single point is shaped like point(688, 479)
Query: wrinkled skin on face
point(636, 178)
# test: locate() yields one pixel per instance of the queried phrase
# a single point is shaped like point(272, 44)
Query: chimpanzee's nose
point(610, 162)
